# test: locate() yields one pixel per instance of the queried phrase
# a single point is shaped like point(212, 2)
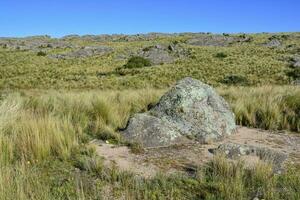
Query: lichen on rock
point(190, 109)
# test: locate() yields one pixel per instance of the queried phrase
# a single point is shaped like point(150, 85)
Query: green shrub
point(295, 73)
point(220, 55)
point(41, 53)
point(137, 62)
point(235, 80)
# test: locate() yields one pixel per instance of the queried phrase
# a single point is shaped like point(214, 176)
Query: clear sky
point(62, 17)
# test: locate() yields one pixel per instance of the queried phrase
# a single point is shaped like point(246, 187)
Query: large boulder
point(157, 54)
point(189, 110)
point(160, 54)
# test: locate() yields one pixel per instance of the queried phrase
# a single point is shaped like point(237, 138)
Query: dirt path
point(187, 157)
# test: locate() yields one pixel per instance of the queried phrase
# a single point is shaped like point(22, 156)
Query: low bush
point(137, 62)
point(294, 73)
point(41, 53)
point(221, 55)
point(234, 80)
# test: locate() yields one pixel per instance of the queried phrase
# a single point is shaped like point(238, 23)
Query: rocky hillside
point(97, 61)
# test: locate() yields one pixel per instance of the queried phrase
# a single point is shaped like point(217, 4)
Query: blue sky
point(62, 17)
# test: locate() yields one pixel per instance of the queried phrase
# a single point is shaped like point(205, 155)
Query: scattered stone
point(34, 44)
point(217, 40)
point(70, 37)
point(295, 61)
point(191, 109)
point(273, 43)
point(84, 52)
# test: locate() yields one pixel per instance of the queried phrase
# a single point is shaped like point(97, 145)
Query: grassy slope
point(260, 64)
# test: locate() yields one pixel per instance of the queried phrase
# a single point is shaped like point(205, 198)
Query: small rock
point(295, 61)
point(273, 43)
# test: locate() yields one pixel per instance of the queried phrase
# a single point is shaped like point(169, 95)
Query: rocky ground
point(187, 157)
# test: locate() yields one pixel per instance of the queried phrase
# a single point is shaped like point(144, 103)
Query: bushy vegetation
point(294, 73)
point(41, 53)
point(220, 55)
point(137, 62)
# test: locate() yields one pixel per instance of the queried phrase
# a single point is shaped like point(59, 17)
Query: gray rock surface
point(233, 151)
point(84, 52)
point(152, 131)
point(217, 40)
point(160, 54)
point(34, 43)
point(273, 43)
point(157, 54)
point(295, 61)
point(190, 109)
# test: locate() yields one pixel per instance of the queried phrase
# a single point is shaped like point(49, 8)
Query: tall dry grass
point(267, 107)
point(34, 129)
point(54, 128)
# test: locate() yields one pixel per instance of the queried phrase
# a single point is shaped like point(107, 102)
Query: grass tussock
point(33, 128)
point(234, 180)
point(267, 107)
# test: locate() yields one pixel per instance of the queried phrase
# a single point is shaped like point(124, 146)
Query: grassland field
point(50, 110)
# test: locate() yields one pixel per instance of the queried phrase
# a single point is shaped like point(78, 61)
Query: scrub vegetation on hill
point(256, 62)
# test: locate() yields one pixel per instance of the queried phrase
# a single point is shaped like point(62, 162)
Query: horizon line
point(52, 36)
